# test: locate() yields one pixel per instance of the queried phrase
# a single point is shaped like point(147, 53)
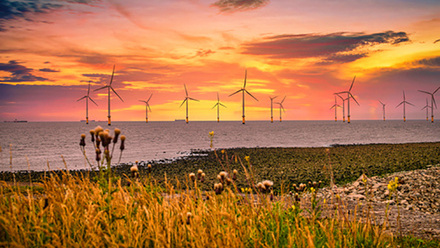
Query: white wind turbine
point(87, 97)
point(281, 106)
point(383, 109)
point(147, 107)
point(271, 108)
point(427, 109)
point(218, 104)
point(187, 98)
point(349, 95)
point(343, 106)
point(109, 87)
point(335, 106)
point(243, 90)
point(404, 102)
point(432, 102)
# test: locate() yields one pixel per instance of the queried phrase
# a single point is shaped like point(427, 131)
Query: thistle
point(192, 176)
point(218, 188)
point(92, 133)
point(83, 141)
point(149, 168)
point(121, 147)
point(234, 174)
point(199, 174)
point(202, 178)
point(117, 133)
point(134, 170)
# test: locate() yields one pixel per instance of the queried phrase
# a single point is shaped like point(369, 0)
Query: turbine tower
point(349, 95)
point(383, 109)
point(281, 106)
point(187, 98)
point(218, 104)
point(147, 107)
point(271, 108)
point(343, 106)
point(432, 102)
point(335, 106)
point(87, 97)
point(404, 102)
point(243, 90)
point(427, 109)
point(109, 87)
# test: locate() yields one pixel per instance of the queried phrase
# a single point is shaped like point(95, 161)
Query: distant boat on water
point(86, 120)
point(179, 120)
point(17, 121)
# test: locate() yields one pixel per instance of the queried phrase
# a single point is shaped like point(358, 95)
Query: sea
point(40, 146)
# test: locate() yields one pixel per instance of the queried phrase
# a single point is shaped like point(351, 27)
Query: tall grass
point(74, 211)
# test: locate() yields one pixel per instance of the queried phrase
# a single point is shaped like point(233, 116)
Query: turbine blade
point(93, 101)
point(339, 96)
point(352, 97)
point(426, 92)
point(433, 100)
point(193, 99)
point(149, 98)
point(186, 99)
point(235, 92)
point(436, 90)
point(103, 87)
point(148, 105)
point(282, 107)
point(186, 92)
point(245, 76)
point(283, 99)
point(88, 91)
point(411, 104)
point(222, 105)
point(381, 103)
point(251, 95)
point(404, 95)
point(111, 80)
point(342, 92)
point(399, 104)
point(116, 93)
point(352, 83)
point(81, 98)
point(142, 101)
point(215, 105)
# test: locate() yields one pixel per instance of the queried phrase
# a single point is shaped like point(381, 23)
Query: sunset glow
point(304, 50)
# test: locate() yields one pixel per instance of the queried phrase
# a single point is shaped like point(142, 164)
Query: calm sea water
point(37, 144)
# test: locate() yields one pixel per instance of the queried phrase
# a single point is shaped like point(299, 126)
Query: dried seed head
point(199, 174)
point(234, 174)
point(134, 168)
point(83, 136)
point(202, 178)
point(267, 183)
point(82, 142)
point(218, 188)
point(98, 129)
point(261, 187)
point(92, 133)
point(192, 176)
point(219, 178)
point(228, 181)
point(122, 147)
point(235, 171)
point(188, 218)
point(223, 175)
point(149, 168)
point(117, 133)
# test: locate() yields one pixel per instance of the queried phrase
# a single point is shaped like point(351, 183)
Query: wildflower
point(392, 185)
point(149, 168)
point(83, 140)
point(218, 188)
point(267, 183)
point(122, 147)
point(223, 151)
point(192, 176)
point(247, 158)
point(199, 174)
point(312, 190)
point(223, 175)
point(211, 133)
point(202, 179)
point(117, 133)
point(134, 170)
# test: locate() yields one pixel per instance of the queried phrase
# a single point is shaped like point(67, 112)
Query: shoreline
point(283, 165)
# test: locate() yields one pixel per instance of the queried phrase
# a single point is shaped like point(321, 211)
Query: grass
point(166, 208)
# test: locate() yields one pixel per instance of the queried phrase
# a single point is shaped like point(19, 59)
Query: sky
point(304, 50)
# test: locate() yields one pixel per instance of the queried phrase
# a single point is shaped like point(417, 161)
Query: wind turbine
point(335, 106)
point(271, 108)
point(87, 97)
point(383, 109)
point(218, 104)
point(243, 90)
point(187, 98)
point(147, 106)
point(349, 95)
point(427, 108)
point(343, 106)
point(432, 102)
point(281, 106)
point(109, 87)
point(404, 102)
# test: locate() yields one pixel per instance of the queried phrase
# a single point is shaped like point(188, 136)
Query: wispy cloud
point(239, 5)
point(336, 47)
point(48, 70)
point(19, 73)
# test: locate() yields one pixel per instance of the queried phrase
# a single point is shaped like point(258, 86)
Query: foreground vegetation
point(211, 199)
point(75, 212)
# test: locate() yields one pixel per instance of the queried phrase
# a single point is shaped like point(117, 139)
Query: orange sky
point(304, 50)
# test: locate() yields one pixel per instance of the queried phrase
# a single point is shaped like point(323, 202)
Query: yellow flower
point(247, 158)
point(223, 151)
point(211, 133)
point(312, 189)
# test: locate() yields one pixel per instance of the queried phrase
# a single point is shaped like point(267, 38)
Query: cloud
point(438, 40)
point(239, 5)
point(204, 52)
point(19, 73)
point(430, 61)
point(337, 47)
point(18, 9)
point(48, 70)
